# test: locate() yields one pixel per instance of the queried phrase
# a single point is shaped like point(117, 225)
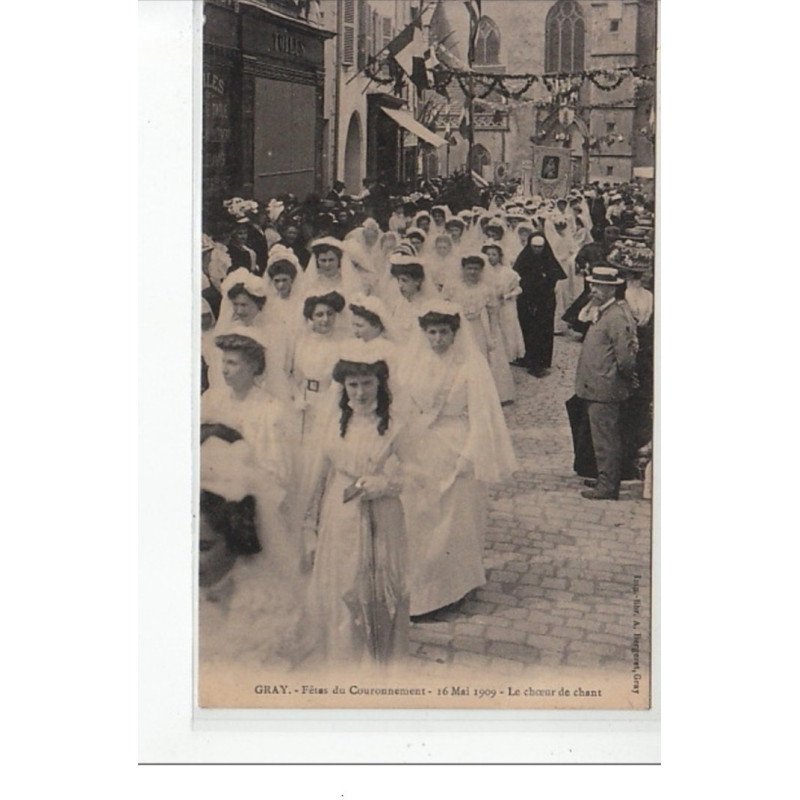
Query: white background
point(71, 338)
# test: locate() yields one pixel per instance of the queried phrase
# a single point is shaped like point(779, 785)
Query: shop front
point(262, 103)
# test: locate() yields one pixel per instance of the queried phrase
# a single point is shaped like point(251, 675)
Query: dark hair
point(349, 369)
point(236, 521)
point(415, 271)
point(282, 267)
point(333, 300)
point(435, 318)
point(249, 348)
point(238, 288)
point(473, 260)
point(455, 221)
point(368, 315)
point(319, 249)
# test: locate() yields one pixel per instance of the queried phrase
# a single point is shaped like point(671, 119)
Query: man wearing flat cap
point(605, 376)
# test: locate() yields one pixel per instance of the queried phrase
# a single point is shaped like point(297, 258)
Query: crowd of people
point(356, 355)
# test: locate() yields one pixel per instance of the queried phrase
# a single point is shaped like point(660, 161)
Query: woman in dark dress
point(539, 272)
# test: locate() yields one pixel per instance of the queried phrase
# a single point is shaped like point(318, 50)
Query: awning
point(644, 172)
point(405, 120)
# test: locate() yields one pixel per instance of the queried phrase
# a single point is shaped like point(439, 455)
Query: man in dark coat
point(605, 377)
point(539, 271)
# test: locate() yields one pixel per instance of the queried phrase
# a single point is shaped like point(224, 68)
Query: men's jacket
point(607, 362)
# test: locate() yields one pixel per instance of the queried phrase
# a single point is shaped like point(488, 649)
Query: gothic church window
point(487, 42)
point(565, 31)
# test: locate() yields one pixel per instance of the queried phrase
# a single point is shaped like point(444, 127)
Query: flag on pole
point(409, 50)
point(475, 13)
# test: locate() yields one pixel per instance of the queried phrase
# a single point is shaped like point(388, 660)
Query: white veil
point(312, 283)
point(488, 447)
point(270, 336)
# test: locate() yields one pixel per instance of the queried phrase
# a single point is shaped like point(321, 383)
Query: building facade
point(609, 133)
point(288, 108)
point(263, 101)
point(368, 142)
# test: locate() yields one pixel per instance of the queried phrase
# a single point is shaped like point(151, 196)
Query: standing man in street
point(606, 375)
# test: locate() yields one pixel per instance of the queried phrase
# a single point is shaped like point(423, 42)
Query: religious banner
point(552, 171)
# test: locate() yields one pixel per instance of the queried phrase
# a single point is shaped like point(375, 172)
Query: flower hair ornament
point(238, 207)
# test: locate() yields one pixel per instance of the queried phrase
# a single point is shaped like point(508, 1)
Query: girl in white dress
point(358, 606)
point(456, 443)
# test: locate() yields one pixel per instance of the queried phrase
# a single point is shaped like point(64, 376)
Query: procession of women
point(357, 369)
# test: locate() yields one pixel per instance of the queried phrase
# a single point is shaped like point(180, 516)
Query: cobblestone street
point(560, 569)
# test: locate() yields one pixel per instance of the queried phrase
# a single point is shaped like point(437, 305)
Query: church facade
point(610, 133)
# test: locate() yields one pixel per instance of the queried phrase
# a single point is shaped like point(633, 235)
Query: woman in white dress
point(442, 265)
point(284, 307)
point(508, 288)
point(455, 444)
point(454, 228)
point(330, 269)
point(244, 303)
point(358, 607)
point(424, 222)
point(476, 293)
point(412, 289)
point(363, 246)
point(559, 237)
point(246, 471)
point(315, 355)
point(418, 238)
point(439, 216)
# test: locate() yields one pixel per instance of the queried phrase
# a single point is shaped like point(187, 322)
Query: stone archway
point(353, 156)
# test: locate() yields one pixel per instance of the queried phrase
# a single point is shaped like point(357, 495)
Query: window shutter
point(349, 32)
point(376, 33)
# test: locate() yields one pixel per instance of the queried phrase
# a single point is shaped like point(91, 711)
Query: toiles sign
point(213, 82)
point(286, 44)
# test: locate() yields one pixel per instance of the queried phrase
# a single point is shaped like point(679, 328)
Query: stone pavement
point(560, 569)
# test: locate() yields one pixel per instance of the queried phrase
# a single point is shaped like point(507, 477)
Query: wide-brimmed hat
point(606, 276)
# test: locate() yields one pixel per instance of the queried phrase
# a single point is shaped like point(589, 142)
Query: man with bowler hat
point(606, 375)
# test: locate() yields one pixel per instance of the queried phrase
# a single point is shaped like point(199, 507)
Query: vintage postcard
point(426, 385)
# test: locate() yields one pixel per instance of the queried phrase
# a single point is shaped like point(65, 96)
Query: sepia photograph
point(426, 328)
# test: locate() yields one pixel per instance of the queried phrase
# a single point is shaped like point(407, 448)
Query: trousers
point(604, 422)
